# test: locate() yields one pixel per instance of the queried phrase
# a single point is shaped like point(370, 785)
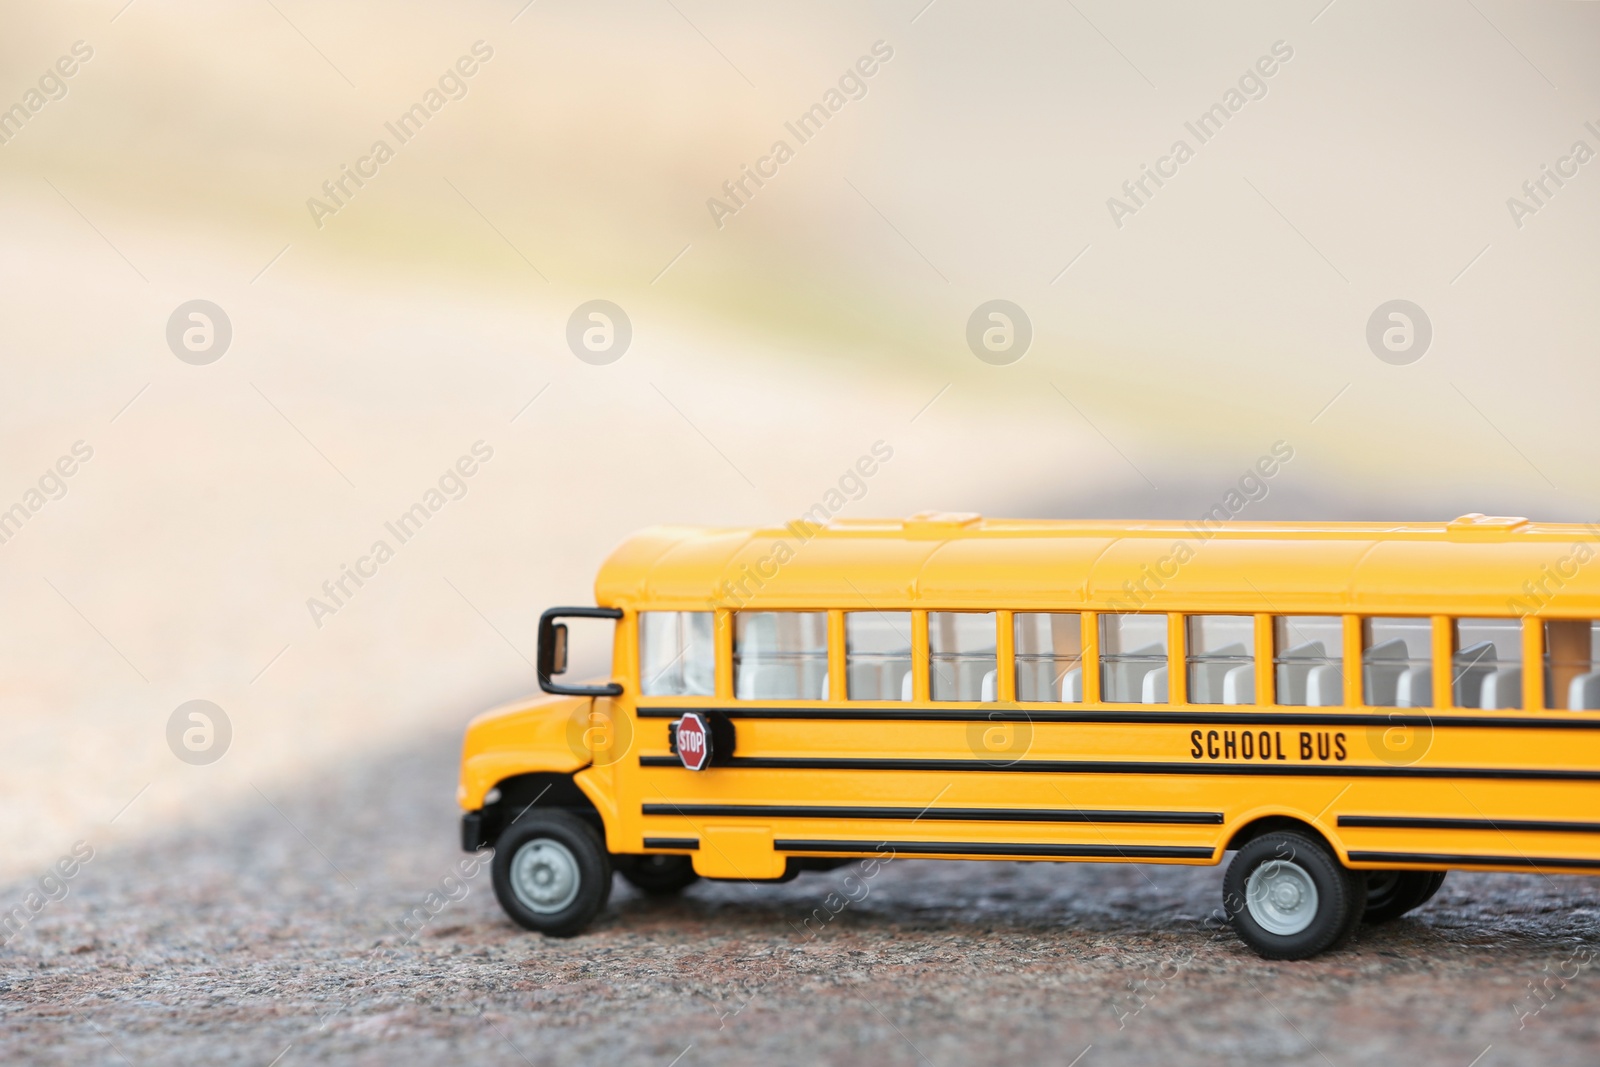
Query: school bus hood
point(522, 737)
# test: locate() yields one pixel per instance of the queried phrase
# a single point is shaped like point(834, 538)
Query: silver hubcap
point(1281, 897)
point(544, 876)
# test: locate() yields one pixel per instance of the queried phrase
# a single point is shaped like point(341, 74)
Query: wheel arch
point(1260, 824)
point(531, 791)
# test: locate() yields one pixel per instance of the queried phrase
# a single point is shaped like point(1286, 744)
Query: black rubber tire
point(1390, 894)
point(658, 875)
point(1340, 896)
point(1358, 892)
point(593, 868)
point(610, 879)
point(1433, 887)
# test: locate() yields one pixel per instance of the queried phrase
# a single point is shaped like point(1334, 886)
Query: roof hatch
point(1477, 527)
point(940, 523)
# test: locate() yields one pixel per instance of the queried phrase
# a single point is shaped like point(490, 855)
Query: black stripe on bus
point(692, 844)
point(1452, 860)
point(1407, 822)
point(1036, 766)
point(972, 848)
point(1182, 718)
point(791, 811)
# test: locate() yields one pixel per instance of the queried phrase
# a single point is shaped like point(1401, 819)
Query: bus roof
point(1473, 565)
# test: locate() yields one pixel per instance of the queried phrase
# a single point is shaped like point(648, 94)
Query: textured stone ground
point(246, 940)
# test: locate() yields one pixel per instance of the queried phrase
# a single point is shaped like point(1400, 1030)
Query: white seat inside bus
point(765, 681)
point(1239, 685)
point(1472, 666)
point(1583, 692)
point(1038, 680)
point(1382, 665)
point(744, 682)
point(1153, 689)
point(989, 690)
point(1414, 688)
point(1126, 675)
point(1295, 668)
point(1324, 686)
point(889, 680)
point(961, 680)
point(1503, 688)
point(1206, 677)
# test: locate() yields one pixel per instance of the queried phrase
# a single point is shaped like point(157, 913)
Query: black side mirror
point(551, 655)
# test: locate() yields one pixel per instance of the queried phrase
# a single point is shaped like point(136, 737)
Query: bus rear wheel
point(1391, 894)
point(1288, 896)
point(658, 875)
point(551, 873)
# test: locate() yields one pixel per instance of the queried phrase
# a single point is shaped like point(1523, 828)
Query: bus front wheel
point(551, 873)
point(1288, 896)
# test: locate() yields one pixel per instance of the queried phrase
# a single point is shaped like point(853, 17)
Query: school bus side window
point(1222, 659)
point(677, 653)
point(877, 655)
point(1308, 660)
point(963, 663)
point(1133, 659)
point(780, 655)
point(1397, 662)
point(1572, 664)
point(1049, 654)
point(1486, 667)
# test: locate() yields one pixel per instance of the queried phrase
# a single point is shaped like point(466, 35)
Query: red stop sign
point(694, 741)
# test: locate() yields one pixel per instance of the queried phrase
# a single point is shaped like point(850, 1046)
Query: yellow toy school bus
point(1351, 709)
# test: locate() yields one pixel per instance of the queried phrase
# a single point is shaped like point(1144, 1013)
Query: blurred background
point(1158, 340)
